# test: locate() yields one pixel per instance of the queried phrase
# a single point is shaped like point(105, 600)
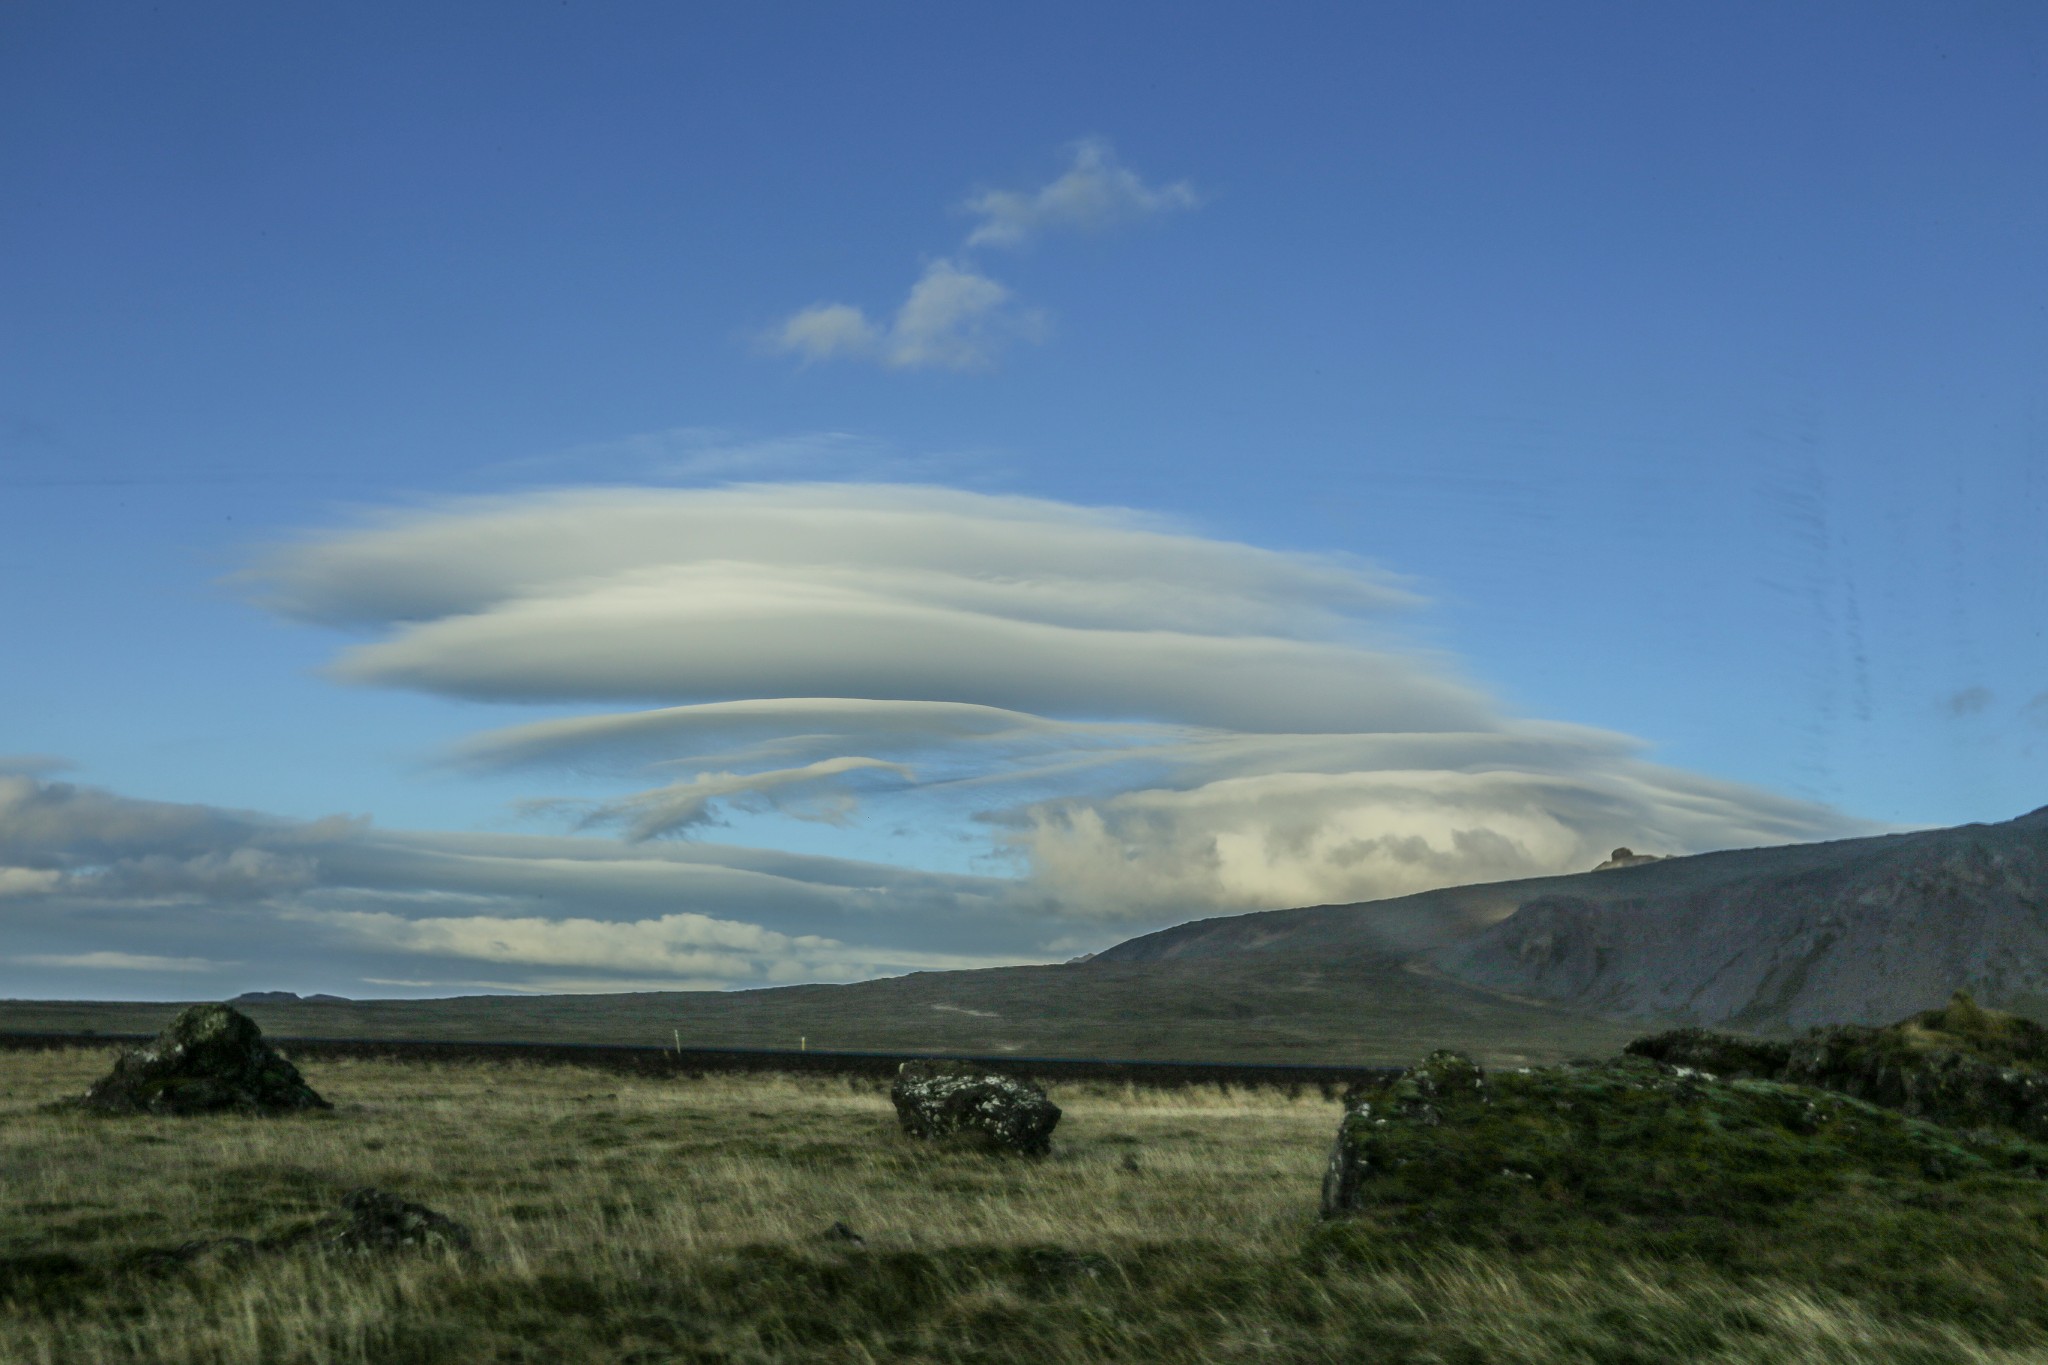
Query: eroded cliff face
point(1887, 927)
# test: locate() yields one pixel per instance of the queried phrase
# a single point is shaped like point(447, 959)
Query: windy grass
point(622, 1220)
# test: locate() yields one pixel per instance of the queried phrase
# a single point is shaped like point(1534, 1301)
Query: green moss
point(1987, 1035)
point(1633, 1158)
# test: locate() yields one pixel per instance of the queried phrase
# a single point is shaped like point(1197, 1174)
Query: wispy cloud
point(119, 962)
point(682, 806)
point(955, 317)
point(1096, 192)
point(249, 898)
point(32, 765)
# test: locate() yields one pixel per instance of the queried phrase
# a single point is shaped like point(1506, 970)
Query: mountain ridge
point(1772, 938)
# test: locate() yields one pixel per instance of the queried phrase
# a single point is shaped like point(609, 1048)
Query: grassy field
point(1264, 1008)
point(622, 1221)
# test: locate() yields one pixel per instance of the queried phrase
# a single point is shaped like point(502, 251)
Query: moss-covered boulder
point(941, 1099)
point(1962, 1065)
point(1634, 1150)
point(210, 1059)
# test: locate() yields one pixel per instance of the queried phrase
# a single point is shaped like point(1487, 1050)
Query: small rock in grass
point(373, 1220)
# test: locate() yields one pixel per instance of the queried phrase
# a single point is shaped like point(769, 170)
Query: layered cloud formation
point(1148, 720)
point(1135, 724)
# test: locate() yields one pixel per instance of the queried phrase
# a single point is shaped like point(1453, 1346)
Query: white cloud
point(687, 946)
point(1096, 192)
point(28, 881)
point(957, 318)
point(953, 319)
point(120, 962)
point(684, 805)
point(787, 729)
point(828, 331)
point(1053, 561)
point(870, 591)
point(1146, 722)
point(1278, 839)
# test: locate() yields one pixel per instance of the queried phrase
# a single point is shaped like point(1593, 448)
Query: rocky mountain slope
point(1852, 932)
point(1768, 939)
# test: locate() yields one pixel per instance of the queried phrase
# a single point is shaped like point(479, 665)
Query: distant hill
point(1767, 939)
point(286, 998)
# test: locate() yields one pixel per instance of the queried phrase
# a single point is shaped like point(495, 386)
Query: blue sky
point(1599, 423)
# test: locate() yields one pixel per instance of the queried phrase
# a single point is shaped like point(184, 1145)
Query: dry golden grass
point(684, 1221)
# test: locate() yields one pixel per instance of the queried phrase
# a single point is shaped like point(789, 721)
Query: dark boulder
point(210, 1059)
point(939, 1099)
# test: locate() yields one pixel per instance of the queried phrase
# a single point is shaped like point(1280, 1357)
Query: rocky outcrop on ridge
point(1628, 857)
point(939, 1099)
point(1961, 1065)
point(210, 1059)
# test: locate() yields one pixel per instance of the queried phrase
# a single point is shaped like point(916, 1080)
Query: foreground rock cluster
point(941, 1099)
point(210, 1059)
point(371, 1222)
point(1697, 1130)
point(1961, 1065)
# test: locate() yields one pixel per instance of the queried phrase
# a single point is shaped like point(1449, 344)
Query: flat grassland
point(654, 1221)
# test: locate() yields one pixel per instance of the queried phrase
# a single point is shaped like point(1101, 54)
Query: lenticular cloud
point(1147, 720)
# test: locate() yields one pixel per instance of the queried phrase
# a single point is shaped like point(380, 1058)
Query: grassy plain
point(685, 1221)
